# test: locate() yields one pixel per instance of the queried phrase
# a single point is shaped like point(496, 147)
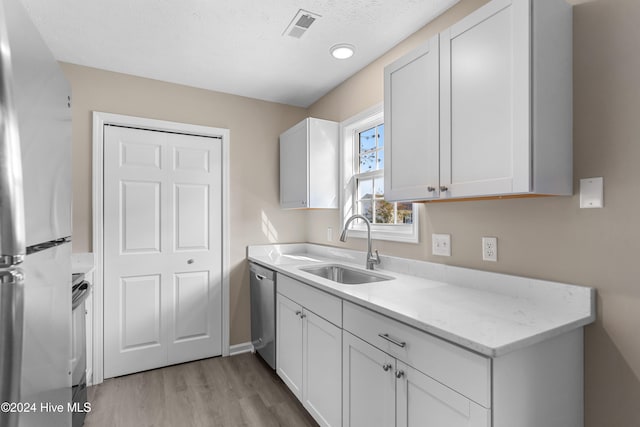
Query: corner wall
point(551, 238)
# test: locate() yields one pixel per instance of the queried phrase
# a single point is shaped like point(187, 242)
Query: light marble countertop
point(490, 313)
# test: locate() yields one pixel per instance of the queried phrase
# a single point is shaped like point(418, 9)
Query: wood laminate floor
point(222, 392)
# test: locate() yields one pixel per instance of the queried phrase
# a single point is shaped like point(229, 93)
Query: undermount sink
point(345, 275)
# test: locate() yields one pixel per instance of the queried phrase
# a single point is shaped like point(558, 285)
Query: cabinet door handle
point(298, 313)
point(302, 316)
point(386, 367)
point(399, 374)
point(260, 276)
point(431, 189)
point(400, 344)
point(444, 188)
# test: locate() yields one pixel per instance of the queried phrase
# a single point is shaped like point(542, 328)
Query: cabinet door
point(322, 370)
point(294, 184)
point(289, 343)
point(368, 385)
point(424, 402)
point(411, 114)
point(485, 102)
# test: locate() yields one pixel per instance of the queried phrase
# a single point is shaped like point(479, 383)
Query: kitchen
point(546, 238)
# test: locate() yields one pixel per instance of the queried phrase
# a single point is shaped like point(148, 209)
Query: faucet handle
point(377, 257)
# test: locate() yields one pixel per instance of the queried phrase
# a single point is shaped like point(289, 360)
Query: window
point(363, 181)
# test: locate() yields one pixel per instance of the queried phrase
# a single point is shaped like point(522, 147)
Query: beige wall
point(551, 238)
point(255, 126)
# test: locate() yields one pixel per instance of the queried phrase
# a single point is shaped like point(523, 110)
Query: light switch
point(441, 244)
point(591, 193)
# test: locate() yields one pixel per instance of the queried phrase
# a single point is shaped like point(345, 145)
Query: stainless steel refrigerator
point(35, 227)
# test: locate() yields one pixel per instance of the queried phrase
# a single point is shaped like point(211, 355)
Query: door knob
point(386, 367)
point(399, 374)
point(431, 189)
point(444, 188)
point(190, 261)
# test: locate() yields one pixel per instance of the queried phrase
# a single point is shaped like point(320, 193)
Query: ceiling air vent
point(300, 23)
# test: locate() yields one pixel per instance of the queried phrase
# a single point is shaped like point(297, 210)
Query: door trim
point(101, 119)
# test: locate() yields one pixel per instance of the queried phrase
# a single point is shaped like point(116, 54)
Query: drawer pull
point(399, 374)
point(400, 344)
point(386, 367)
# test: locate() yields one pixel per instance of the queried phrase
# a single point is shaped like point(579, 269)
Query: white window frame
point(349, 130)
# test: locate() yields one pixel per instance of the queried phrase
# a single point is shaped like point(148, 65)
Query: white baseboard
point(245, 347)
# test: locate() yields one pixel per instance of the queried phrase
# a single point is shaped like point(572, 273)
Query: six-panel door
point(163, 258)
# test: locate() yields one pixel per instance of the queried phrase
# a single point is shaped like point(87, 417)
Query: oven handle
point(80, 294)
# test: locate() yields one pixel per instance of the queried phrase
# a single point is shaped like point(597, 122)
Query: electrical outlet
point(490, 249)
point(441, 244)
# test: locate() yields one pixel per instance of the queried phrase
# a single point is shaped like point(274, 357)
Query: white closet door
point(162, 246)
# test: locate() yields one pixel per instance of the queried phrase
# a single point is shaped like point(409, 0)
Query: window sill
point(380, 234)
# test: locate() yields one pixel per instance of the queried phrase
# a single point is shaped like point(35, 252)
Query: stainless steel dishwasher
point(263, 312)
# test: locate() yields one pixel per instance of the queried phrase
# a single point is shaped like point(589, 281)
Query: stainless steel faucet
point(371, 259)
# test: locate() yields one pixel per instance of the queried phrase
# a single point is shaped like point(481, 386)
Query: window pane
point(384, 212)
point(368, 161)
point(381, 159)
point(405, 213)
point(379, 187)
point(381, 136)
point(367, 140)
point(365, 189)
point(366, 208)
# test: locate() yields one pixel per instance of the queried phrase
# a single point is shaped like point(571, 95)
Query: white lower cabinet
point(422, 401)
point(289, 344)
point(379, 390)
point(369, 385)
point(354, 367)
point(309, 353)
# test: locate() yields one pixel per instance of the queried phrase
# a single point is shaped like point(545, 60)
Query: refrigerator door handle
point(11, 331)
point(12, 221)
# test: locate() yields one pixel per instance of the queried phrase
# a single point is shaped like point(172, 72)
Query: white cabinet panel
point(309, 358)
point(411, 111)
point(309, 165)
point(369, 385)
point(322, 370)
point(485, 127)
point(424, 402)
point(289, 344)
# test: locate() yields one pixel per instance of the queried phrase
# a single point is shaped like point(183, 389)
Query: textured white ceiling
point(233, 46)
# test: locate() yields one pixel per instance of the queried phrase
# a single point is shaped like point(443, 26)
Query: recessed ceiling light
point(342, 51)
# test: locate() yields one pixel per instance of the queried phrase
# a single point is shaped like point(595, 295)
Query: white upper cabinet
point(505, 107)
point(309, 165)
point(411, 111)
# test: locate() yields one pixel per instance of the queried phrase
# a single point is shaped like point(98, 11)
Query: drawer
point(466, 372)
point(320, 303)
